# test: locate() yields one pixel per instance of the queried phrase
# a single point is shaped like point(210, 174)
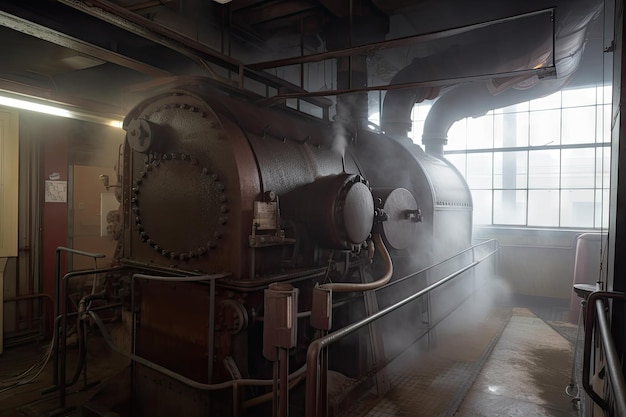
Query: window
point(542, 163)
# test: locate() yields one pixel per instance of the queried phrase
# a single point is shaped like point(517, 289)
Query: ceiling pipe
point(475, 99)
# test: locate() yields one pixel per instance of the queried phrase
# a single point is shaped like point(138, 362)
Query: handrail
point(56, 302)
point(366, 286)
point(195, 278)
point(43, 297)
point(234, 384)
point(613, 365)
point(443, 261)
point(60, 346)
point(316, 346)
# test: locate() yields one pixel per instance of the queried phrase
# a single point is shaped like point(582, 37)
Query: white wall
point(538, 262)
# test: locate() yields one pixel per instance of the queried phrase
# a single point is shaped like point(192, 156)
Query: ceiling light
point(31, 104)
point(222, 1)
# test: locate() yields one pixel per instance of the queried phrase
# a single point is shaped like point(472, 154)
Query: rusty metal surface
point(189, 186)
point(169, 326)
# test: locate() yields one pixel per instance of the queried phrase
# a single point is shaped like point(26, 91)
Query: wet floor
point(525, 375)
point(509, 363)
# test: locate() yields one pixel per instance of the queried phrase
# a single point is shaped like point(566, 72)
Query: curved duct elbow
point(396, 112)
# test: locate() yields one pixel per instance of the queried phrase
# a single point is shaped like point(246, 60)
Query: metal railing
point(597, 328)
point(60, 332)
point(316, 396)
point(31, 333)
point(312, 368)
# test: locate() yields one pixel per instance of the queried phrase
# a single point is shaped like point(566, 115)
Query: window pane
point(543, 169)
point(374, 118)
point(509, 207)
point(543, 208)
point(420, 110)
point(545, 127)
point(552, 101)
point(603, 167)
point(510, 169)
point(479, 170)
point(482, 206)
point(541, 186)
point(577, 208)
point(480, 132)
point(418, 116)
point(579, 97)
point(602, 209)
point(604, 94)
point(458, 160)
point(578, 168)
point(457, 136)
point(510, 130)
point(417, 131)
point(603, 126)
point(579, 125)
point(520, 107)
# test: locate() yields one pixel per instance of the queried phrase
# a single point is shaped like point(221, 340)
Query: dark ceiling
point(95, 53)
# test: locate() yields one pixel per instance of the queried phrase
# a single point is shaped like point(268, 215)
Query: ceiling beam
point(80, 46)
point(543, 72)
point(273, 10)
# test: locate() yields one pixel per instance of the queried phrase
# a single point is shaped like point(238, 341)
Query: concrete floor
point(28, 400)
point(506, 362)
point(525, 375)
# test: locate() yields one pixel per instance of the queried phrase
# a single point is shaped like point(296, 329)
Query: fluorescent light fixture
point(19, 103)
point(39, 108)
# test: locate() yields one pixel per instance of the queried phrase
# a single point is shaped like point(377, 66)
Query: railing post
point(596, 309)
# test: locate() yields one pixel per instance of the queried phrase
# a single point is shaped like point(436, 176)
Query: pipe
point(471, 100)
point(44, 310)
point(613, 361)
point(351, 287)
point(316, 346)
point(178, 377)
point(595, 308)
point(57, 280)
point(500, 56)
point(296, 378)
point(81, 335)
point(283, 399)
point(60, 345)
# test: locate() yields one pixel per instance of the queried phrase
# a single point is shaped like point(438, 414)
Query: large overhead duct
point(473, 99)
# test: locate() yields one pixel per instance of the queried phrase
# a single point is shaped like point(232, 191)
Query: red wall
point(55, 215)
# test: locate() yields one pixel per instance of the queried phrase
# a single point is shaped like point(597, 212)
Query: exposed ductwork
point(477, 98)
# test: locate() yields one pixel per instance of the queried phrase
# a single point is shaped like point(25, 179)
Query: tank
point(235, 214)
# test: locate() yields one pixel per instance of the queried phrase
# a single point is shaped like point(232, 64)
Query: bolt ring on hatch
point(152, 162)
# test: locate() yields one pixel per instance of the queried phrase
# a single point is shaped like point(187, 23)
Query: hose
point(23, 378)
point(352, 287)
